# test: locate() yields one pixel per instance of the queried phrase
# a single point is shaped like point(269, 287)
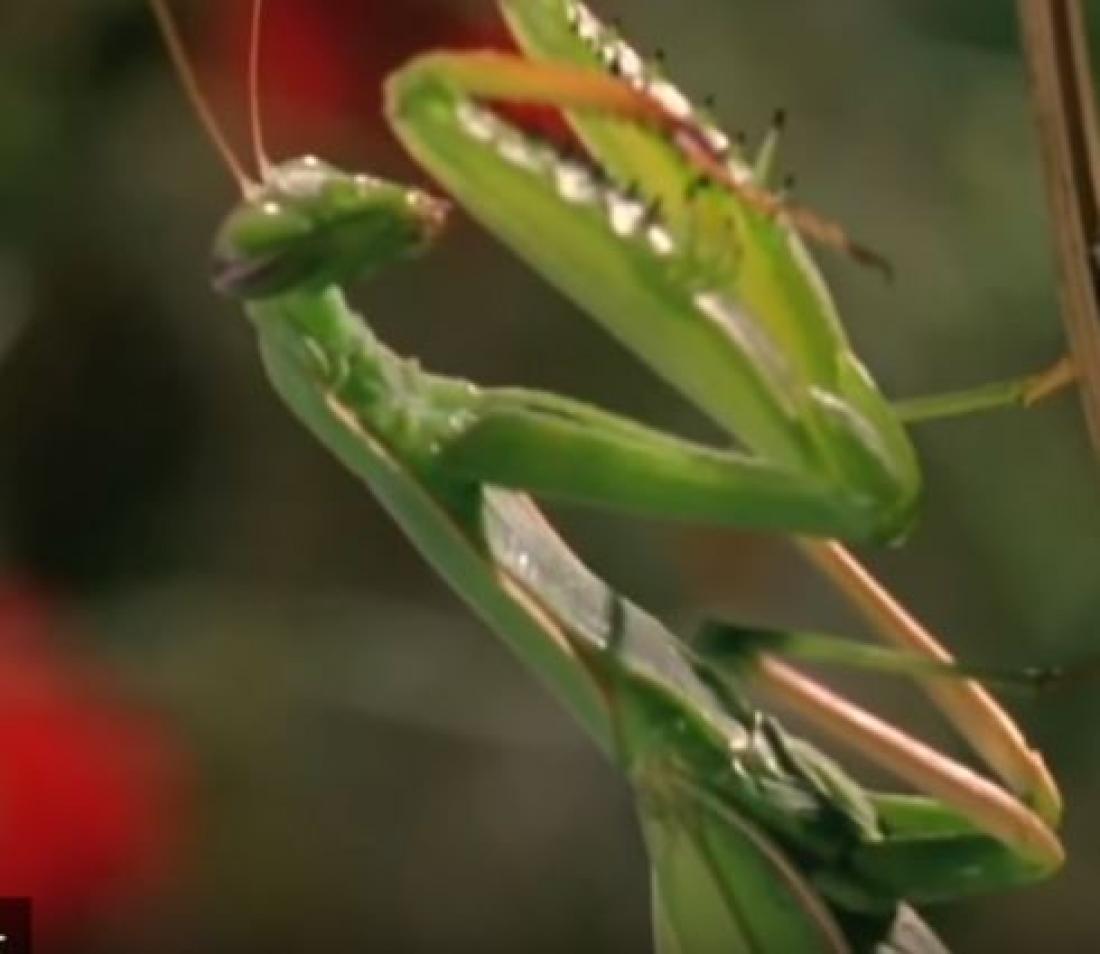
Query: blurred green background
point(340, 757)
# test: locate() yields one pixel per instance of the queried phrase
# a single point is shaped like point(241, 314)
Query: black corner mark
point(15, 926)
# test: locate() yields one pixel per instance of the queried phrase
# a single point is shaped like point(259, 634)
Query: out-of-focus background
point(237, 713)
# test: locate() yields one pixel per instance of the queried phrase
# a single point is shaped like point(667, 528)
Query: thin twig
point(1055, 43)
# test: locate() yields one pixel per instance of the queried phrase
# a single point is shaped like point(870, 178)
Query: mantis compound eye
point(312, 225)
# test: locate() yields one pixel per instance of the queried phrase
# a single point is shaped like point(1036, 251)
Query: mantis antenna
point(259, 150)
point(199, 103)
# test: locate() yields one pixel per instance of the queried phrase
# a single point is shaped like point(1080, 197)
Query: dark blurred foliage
point(371, 771)
point(988, 24)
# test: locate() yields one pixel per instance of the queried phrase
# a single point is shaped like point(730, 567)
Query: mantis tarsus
point(677, 246)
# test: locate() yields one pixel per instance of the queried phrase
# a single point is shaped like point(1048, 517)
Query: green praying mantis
point(673, 240)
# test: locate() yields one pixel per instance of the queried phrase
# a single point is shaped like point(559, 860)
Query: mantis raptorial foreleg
point(439, 87)
point(564, 449)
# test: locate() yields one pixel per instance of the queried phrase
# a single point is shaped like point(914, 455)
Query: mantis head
point(309, 225)
point(305, 224)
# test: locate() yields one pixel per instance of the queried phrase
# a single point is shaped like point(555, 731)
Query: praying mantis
point(674, 241)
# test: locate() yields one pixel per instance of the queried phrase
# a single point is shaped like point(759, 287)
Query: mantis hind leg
point(989, 812)
point(931, 853)
point(968, 706)
point(1024, 391)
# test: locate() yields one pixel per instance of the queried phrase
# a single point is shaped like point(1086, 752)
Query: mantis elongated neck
point(321, 317)
point(328, 348)
point(332, 343)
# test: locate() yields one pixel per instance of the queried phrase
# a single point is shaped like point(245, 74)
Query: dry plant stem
point(1047, 383)
point(1055, 43)
point(987, 805)
point(976, 715)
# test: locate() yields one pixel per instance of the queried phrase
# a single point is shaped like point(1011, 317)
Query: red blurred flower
point(324, 61)
point(92, 790)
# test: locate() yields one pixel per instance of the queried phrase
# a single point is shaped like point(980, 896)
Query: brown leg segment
point(977, 716)
point(986, 805)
